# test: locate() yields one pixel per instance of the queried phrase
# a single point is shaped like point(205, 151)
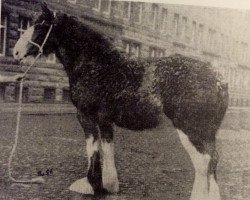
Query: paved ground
point(151, 165)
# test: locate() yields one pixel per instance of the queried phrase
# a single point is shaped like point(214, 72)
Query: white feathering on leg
point(82, 185)
point(91, 147)
point(214, 192)
point(109, 173)
point(200, 162)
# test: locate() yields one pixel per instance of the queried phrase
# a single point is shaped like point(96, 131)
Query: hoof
point(82, 186)
point(214, 192)
point(111, 185)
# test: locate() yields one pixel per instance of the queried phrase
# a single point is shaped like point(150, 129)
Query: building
point(220, 36)
point(47, 81)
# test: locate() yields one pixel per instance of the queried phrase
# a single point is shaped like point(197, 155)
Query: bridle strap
point(38, 179)
point(40, 47)
point(35, 44)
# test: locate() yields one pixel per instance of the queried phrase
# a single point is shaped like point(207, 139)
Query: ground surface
point(151, 165)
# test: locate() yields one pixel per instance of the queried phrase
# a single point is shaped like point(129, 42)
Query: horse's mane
point(101, 44)
point(96, 50)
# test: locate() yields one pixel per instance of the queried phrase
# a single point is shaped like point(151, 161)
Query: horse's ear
point(48, 14)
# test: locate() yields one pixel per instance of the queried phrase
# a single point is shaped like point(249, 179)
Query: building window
point(115, 9)
point(96, 5)
point(3, 35)
point(106, 6)
point(248, 78)
point(24, 24)
point(227, 46)
point(234, 50)
point(2, 92)
point(176, 25)
point(222, 44)
point(25, 94)
point(209, 39)
point(241, 51)
point(72, 1)
point(49, 94)
point(244, 50)
point(194, 33)
point(133, 49)
point(156, 52)
point(214, 42)
point(154, 17)
point(200, 35)
point(51, 58)
point(136, 12)
point(185, 29)
point(230, 77)
point(164, 20)
point(126, 10)
point(65, 95)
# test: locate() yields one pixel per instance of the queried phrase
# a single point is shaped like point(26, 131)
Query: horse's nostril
point(16, 53)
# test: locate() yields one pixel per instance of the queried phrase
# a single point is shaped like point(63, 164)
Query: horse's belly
point(138, 114)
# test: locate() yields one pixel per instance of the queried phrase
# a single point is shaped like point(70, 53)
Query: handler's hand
point(18, 77)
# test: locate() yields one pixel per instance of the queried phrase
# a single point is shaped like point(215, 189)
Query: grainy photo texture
point(104, 99)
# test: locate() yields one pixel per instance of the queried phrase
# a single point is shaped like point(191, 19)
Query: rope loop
point(40, 52)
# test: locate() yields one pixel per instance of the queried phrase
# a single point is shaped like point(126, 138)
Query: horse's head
point(31, 42)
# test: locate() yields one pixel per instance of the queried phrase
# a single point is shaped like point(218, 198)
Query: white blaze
point(21, 47)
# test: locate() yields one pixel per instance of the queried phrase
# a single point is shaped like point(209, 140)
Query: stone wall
point(43, 75)
point(237, 119)
point(229, 24)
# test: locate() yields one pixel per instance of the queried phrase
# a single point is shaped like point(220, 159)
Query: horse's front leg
point(93, 182)
point(109, 173)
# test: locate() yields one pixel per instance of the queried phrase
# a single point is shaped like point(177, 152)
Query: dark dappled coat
point(138, 90)
point(133, 92)
point(107, 87)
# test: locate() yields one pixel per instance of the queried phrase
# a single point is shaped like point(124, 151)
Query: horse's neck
point(81, 43)
point(81, 51)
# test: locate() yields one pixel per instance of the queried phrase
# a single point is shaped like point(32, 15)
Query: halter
point(40, 47)
point(40, 52)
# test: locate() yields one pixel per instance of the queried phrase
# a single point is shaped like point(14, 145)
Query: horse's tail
point(222, 100)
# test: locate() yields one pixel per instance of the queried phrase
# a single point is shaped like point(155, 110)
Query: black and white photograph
point(124, 100)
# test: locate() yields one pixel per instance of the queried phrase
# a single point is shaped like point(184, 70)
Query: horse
point(109, 88)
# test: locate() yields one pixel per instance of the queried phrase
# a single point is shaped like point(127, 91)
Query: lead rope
point(38, 179)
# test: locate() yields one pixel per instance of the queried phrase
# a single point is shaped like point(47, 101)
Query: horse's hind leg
point(109, 173)
point(214, 192)
point(204, 158)
point(93, 182)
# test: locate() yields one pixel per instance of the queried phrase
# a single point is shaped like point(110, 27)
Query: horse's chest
point(82, 95)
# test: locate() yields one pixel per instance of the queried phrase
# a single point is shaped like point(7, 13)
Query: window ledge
point(106, 13)
point(180, 44)
point(211, 54)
